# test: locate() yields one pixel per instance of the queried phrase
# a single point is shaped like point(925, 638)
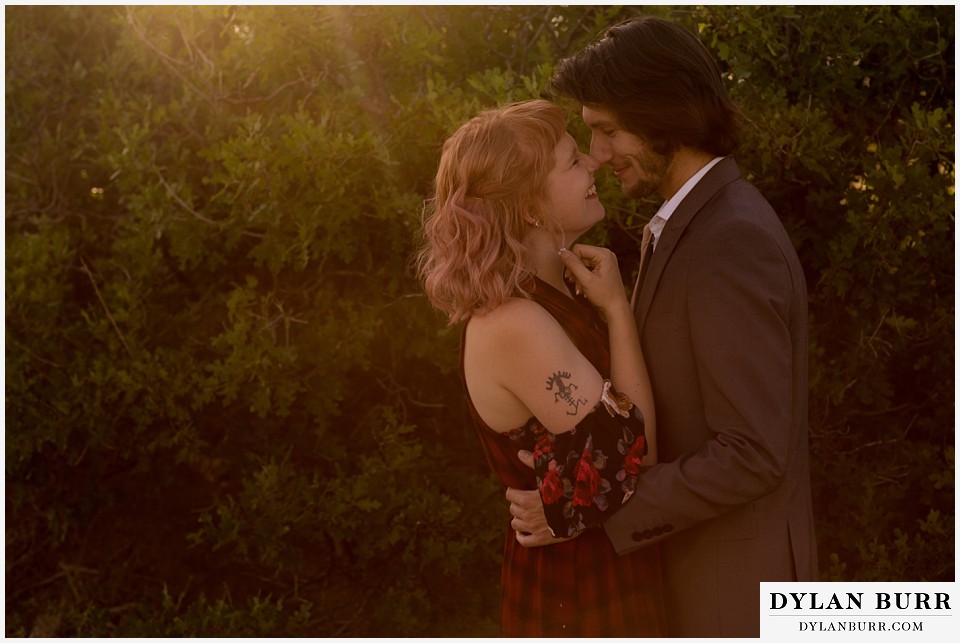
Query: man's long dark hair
point(661, 83)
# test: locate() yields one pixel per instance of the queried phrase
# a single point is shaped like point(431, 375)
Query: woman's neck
point(545, 260)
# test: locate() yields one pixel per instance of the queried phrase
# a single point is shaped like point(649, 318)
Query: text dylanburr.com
point(863, 611)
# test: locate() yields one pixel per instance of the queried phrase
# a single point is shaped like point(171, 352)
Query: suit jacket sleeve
point(738, 301)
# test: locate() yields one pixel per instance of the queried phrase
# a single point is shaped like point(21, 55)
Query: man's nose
point(599, 150)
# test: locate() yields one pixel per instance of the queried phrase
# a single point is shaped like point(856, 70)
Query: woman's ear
point(536, 223)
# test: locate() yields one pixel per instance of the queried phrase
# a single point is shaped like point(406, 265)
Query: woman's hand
point(596, 274)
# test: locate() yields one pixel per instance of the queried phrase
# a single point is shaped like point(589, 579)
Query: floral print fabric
point(586, 474)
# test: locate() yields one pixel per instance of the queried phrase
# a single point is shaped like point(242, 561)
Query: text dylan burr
point(855, 601)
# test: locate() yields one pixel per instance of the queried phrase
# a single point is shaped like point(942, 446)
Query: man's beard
point(641, 188)
point(652, 170)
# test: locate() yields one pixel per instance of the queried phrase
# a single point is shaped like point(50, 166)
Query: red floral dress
point(579, 587)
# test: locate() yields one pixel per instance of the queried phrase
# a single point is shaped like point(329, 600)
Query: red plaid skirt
point(581, 587)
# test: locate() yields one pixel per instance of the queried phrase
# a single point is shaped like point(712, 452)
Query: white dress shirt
point(659, 220)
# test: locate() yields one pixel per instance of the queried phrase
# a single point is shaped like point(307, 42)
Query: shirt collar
point(670, 205)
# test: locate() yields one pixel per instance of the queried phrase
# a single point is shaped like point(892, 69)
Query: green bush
point(229, 409)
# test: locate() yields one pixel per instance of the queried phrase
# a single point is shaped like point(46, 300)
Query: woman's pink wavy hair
point(489, 186)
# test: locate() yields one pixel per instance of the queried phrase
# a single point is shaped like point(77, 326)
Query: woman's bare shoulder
point(516, 318)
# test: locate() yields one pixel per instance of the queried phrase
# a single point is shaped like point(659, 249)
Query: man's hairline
point(610, 110)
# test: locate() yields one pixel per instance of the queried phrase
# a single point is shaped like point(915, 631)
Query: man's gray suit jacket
point(722, 315)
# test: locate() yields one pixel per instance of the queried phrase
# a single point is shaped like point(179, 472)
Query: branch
point(106, 309)
point(257, 99)
point(168, 60)
point(32, 354)
point(183, 204)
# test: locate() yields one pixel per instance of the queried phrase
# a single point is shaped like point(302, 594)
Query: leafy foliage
point(229, 410)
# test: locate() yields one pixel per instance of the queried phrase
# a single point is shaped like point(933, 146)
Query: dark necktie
point(644, 267)
point(646, 257)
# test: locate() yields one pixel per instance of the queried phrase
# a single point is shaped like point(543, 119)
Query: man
point(721, 306)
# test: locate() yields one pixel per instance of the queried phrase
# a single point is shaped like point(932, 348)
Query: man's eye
point(608, 132)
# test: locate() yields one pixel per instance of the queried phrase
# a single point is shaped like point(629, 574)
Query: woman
point(544, 370)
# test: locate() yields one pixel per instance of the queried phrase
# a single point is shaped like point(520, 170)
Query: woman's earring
point(537, 223)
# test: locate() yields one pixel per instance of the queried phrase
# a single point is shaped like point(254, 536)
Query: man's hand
point(527, 511)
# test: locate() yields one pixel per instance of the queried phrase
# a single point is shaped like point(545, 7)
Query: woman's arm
point(590, 438)
point(519, 362)
point(598, 276)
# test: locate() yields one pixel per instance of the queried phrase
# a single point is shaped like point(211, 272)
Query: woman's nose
point(592, 164)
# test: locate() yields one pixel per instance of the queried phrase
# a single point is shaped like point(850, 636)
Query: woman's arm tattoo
point(564, 391)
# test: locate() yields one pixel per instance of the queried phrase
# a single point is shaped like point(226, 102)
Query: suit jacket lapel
point(721, 174)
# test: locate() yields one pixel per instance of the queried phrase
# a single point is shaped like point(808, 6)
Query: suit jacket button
point(658, 530)
point(667, 528)
point(636, 536)
point(647, 534)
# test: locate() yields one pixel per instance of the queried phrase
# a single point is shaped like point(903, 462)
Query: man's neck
point(686, 162)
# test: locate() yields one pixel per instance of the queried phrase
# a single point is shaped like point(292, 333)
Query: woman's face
point(571, 196)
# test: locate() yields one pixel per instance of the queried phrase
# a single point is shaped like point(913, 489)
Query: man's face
point(641, 170)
